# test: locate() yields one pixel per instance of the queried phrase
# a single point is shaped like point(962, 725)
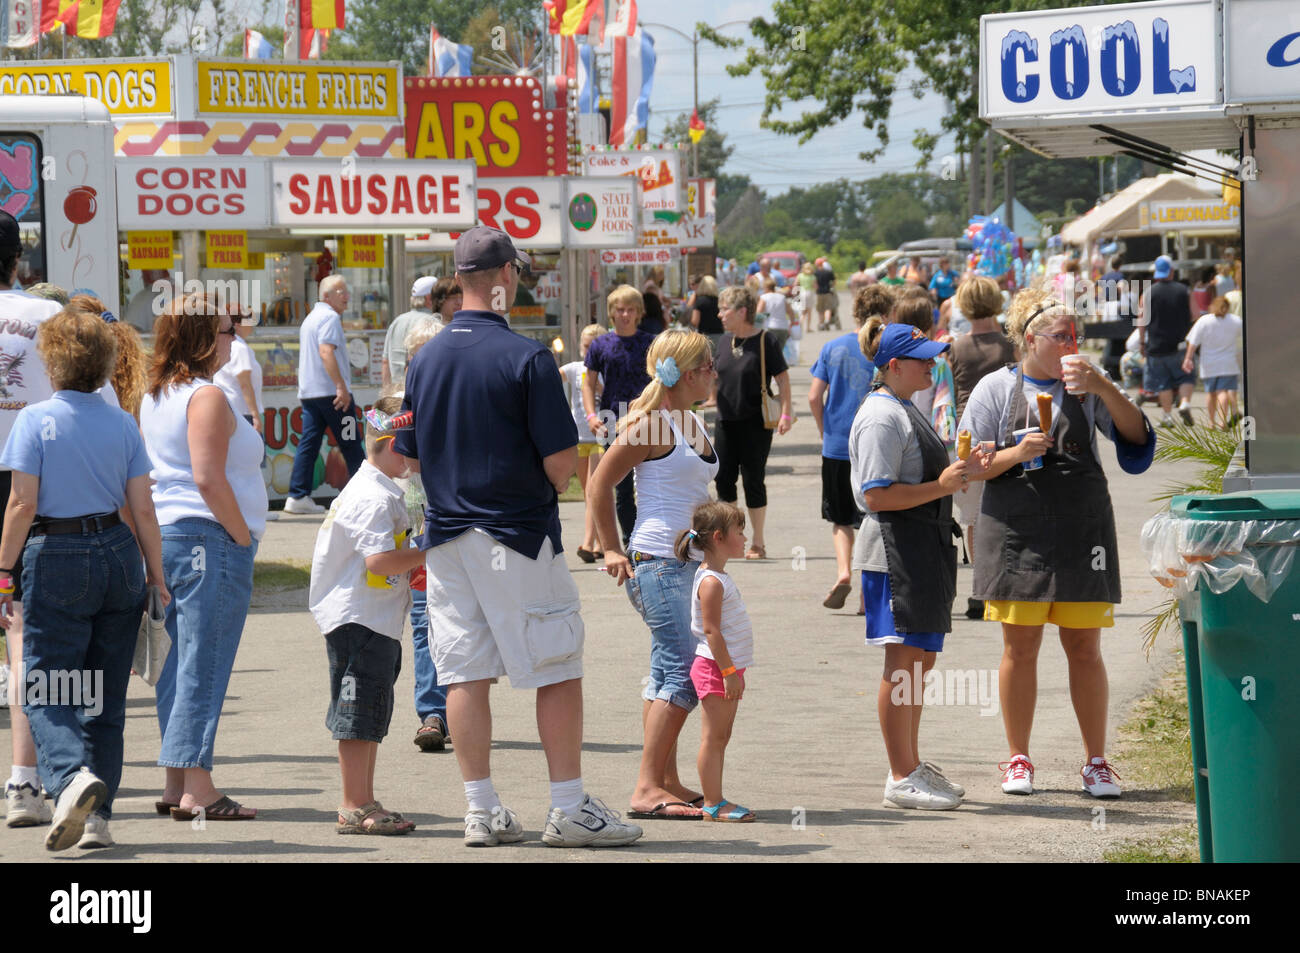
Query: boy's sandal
point(737, 814)
point(387, 824)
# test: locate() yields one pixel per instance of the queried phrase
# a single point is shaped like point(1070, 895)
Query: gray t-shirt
point(990, 406)
point(395, 339)
point(883, 450)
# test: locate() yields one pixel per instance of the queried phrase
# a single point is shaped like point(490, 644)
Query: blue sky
point(772, 161)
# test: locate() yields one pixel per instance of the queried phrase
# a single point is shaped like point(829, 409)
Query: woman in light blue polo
point(76, 463)
point(211, 503)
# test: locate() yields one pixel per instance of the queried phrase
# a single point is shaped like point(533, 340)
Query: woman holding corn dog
point(1045, 548)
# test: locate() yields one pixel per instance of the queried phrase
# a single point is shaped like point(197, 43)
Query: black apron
point(919, 546)
point(1048, 535)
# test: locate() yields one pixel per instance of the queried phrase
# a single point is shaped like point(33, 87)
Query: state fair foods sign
point(1124, 58)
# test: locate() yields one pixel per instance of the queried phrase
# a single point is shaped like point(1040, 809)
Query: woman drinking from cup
point(1045, 543)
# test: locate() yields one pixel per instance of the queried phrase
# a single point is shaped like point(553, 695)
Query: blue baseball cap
point(1164, 266)
point(904, 340)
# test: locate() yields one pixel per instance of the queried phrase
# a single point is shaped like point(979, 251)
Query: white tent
point(1122, 214)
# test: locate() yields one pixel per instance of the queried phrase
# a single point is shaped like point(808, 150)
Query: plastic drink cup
point(1068, 360)
point(1036, 462)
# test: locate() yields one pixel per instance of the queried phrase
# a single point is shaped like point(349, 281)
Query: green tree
point(846, 56)
point(380, 30)
point(730, 189)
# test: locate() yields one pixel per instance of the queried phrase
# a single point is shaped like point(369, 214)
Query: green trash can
point(1241, 627)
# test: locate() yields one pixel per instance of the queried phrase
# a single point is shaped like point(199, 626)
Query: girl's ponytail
point(682, 549)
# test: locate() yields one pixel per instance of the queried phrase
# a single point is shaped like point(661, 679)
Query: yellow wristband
point(730, 670)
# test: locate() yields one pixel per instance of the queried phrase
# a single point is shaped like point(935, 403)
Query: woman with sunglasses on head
point(903, 482)
point(665, 445)
point(1045, 542)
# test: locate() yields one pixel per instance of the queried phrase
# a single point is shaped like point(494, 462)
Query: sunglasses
point(707, 367)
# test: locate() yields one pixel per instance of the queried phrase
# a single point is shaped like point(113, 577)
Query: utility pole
point(988, 171)
point(1009, 191)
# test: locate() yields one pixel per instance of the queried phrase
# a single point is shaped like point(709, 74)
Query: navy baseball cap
point(483, 248)
point(10, 236)
point(904, 340)
point(1164, 265)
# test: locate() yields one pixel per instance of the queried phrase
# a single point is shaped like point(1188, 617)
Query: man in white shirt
point(323, 390)
point(395, 339)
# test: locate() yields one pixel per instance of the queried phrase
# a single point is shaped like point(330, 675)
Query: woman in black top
point(704, 310)
point(741, 439)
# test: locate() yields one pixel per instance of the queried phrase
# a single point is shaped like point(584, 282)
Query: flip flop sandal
point(586, 555)
point(737, 814)
point(222, 809)
point(835, 599)
point(660, 813)
point(389, 824)
point(756, 552)
point(164, 808)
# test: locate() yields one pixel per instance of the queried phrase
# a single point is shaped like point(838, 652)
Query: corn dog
point(1045, 412)
point(963, 445)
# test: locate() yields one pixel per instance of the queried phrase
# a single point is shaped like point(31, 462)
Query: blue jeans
point(430, 697)
point(210, 578)
point(84, 596)
point(319, 414)
point(660, 589)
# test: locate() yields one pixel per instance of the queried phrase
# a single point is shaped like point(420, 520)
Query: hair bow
point(666, 371)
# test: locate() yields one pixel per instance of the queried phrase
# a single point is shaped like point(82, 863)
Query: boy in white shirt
point(360, 597)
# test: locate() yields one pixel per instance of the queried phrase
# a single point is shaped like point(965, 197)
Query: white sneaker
point(937, 779)
point(1017, 775)
point(96, 834)
point(1099, 779)
point(915, 791)
point(27, 806)
point(303, 506)
point(484, 829)
point(594, 825)
point(83, 795)
point(272, 515)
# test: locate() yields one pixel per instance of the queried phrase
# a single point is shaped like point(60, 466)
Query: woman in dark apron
point(1045, 548)
point(904, 483)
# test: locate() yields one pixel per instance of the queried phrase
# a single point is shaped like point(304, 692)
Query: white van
point(56, 179)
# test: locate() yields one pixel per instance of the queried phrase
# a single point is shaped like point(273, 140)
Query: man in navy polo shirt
point(495, 442)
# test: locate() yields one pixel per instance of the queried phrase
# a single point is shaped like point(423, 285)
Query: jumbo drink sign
point(1129, 56)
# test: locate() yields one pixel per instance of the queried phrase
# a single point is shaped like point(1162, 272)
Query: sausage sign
point(373, 193)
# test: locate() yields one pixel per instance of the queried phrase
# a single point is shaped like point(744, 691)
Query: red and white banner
point(368, 194)
point(624, 22)
point(191, 192)
point(631, 82)
point(529, 210)
point(24, 19)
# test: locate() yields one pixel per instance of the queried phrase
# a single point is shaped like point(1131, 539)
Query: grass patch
point(1156, 748)
point(573, 494)
point(1178, 846)
point(293, 574)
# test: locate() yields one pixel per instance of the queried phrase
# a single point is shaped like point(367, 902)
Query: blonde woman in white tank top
point(666, 445)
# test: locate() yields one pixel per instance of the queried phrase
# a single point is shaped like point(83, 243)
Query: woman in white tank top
point(666, 446)
point(211, 504)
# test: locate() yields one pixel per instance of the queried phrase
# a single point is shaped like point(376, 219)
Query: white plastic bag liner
point(1219, 554)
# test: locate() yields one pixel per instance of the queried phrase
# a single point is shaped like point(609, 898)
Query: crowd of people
point(455, 475)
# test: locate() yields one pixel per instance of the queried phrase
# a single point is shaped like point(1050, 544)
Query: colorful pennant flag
point(96, 18)
point(574, 17)
point(320, 14)
point(624, 19)
point(256, 46)
point(631, 84)
point(54, 12)
point(19, 23)
point(447, 58)
point(696, 129)
point(586, 79)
